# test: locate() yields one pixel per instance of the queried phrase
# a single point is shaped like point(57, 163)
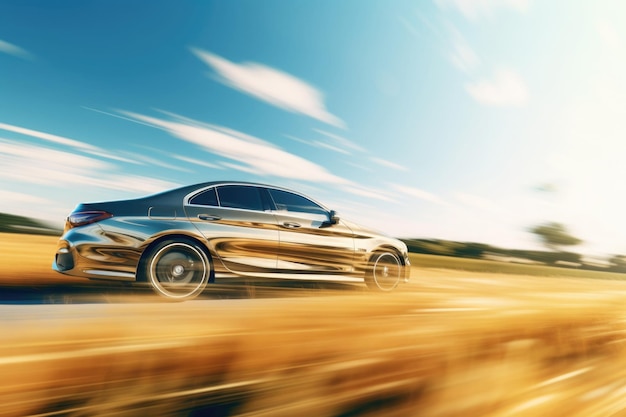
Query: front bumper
point(407, 267)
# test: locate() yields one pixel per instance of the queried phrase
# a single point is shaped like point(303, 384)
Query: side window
point(238, 196)
point(205, 198)
point(285, 200)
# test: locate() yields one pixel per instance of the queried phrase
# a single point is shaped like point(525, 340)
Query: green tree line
point(11, 223)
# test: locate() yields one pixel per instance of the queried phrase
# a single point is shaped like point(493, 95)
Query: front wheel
point(384, 271)
point(178, 270)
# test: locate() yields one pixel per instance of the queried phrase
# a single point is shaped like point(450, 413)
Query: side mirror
point(333, 217)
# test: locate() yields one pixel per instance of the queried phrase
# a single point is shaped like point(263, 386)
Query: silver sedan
point(182, 239)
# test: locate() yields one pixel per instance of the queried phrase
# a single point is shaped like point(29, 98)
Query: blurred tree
point(10, 223)
point(472, 250)
point(554, 235)
point(618, 263)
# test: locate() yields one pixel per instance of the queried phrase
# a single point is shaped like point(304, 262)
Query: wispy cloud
point(251, 154)
point(359, 166)
point(462, 55)
point(48, 137)
point(337, 143)
point(475, 9)
point(9, 48)
point(60, 140)
point(117, 116)
point(152, 162)
point(341, 141)
point(417, 193)
point(16, 197)
point(506, 88)
point(369, 193)
point(328, 146)
point(30, 205)
point(62, 169)
point(318, 144)
point(271, 85)
point(135, 183)
point(242, 168)
point(388, 164)
point(197, 162)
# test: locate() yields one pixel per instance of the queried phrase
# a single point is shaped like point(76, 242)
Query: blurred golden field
point(452, 343)
point(27, 258)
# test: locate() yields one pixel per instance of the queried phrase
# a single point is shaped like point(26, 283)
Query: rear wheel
point(178, 270)
point(384, 271)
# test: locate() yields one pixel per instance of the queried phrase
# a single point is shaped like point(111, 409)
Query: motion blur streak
point(452, 343)
point(509, 349)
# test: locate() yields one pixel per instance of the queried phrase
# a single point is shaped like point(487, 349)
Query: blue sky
point(458, 119)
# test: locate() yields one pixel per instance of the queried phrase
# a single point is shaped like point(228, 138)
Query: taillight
point(81, 218)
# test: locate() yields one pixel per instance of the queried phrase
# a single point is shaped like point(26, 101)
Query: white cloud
point(146, 160)
point(339, 144)
point(271, 85)
point(108, 155)
point(49, 137)
point(197, 162)
point(475, 9)
point(82, 146)
point(417, 193)
point(507, 88)
point(255, 156)
point(368, 192)
point(388, 164)
point(44, 166)
point(134, 183)
point(36, 165)
point(242, 168)
point(252, 154)
point(328, 146)
point(9, 48)
point(15, 197)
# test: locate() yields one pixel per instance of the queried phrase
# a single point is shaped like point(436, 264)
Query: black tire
point(177, 269)
point(384, 271)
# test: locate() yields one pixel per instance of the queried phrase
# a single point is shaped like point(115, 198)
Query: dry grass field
point(452, 343)
point(27, 259)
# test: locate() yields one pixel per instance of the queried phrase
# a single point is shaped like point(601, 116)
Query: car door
point(237, 223)
point(309, 242)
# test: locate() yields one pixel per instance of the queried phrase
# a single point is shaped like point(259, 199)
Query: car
point(180, 240)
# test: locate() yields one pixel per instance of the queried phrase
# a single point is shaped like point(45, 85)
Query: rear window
point(242, 197)
point(205, 198)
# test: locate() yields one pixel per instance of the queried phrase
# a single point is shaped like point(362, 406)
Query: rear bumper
point(68, 261)
point(63, 260)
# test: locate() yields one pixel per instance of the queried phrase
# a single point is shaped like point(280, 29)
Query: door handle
point(291, 225)
point(209, 217)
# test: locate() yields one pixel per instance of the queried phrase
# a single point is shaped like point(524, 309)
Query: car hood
point(362, 230)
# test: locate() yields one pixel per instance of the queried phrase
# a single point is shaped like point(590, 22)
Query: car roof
point(187, 189)
point(192, 187)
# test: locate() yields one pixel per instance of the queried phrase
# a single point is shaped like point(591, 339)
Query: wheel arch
point(140, 273)
point(388, 248)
